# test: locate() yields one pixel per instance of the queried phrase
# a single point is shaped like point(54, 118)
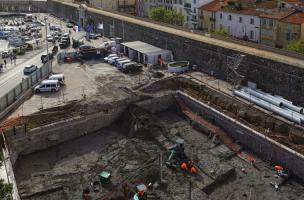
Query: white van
point(121, 63)
point(108, 44)
point(58, 77)
point(48, 86)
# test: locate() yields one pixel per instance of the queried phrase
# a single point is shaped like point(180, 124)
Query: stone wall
point(282, 78)
point(21, 142)
point(264, 147)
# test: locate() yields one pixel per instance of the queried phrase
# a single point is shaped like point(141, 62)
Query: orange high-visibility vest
point(193, 170)
point(184, 166)
point(278, 168)
point(141, 193)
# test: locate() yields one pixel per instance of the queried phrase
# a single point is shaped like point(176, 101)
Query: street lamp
point(47, 42)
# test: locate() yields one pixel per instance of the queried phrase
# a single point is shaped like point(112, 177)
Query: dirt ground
point(63, 171)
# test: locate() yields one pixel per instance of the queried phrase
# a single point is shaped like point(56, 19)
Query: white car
point(109, 56)
point(121, 63)
point(112, 59)
point(48, 86)
point(58, 77)
point(117, 60)
point(50, 39)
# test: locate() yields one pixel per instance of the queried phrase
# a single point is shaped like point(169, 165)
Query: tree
point(297, 46)
point(221, 32)
point(167, 16)
point(5, 190)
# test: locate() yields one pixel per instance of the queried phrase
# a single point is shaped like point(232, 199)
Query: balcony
point(187, 7)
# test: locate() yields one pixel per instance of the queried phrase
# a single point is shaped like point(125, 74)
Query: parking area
point(91, 80)
point(88, 79)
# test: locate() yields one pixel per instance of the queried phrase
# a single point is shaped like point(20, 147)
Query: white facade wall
point(236, 28)
point(191, 12)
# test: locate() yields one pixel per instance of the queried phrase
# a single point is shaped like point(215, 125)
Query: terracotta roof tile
point(295, 18)
point(214, 5)
point(277, 13)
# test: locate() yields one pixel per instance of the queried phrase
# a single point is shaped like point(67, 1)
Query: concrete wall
point(21, 142)
point(270, 75)
point(15, 96)
point(264, 147)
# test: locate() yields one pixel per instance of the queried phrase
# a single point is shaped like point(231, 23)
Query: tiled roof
point(214, 5)
point(295, 18)
point(277, 13)
point(251, 8)
point(295, 2)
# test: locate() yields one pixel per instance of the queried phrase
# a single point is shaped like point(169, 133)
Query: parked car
point(117, 60)
point(64, 44)
point(65, 35)
point(120, 63)
point(69, 25)
point(58, 77)
point(53, 27)
point(50, 38)
point(110, 56)
point(48, 86)
point(29, 69)
point(5, 54)
point(85, 48)
point(112, 59)
point(131, 67)
point(108, 44)
point(93, 36)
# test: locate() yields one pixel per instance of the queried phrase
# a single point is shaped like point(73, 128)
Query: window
point(251, 34)
point(270, 22)
point(264, 22)
point(251, 21)
point(288, 36)
point(221, 16)
point(240, 19)
point(230, 17)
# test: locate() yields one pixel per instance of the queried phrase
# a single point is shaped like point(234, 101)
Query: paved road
point(13, 77)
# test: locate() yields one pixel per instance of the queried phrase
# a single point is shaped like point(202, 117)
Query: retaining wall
point(266, 148)
point(271, 75)
point(14, 97)
point(21, 142)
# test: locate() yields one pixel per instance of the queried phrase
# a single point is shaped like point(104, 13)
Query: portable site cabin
point(145, 53)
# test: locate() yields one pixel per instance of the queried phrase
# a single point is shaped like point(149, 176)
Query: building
point(243, 24)
point(126, 6)
point(208, 13)
point(270, 26)
point(291, 28)
point(295, 4)
point(145, 53)
point(189, 8)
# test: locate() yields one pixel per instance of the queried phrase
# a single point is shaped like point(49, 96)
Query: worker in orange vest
point(184, 166)
point(193, 170)
point(191, 167)
point(278, 168)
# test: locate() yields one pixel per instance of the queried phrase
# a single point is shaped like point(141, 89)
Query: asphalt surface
point(10, 79)
point(13, 75)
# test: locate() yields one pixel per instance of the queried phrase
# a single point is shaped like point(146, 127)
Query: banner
point(100, 26)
